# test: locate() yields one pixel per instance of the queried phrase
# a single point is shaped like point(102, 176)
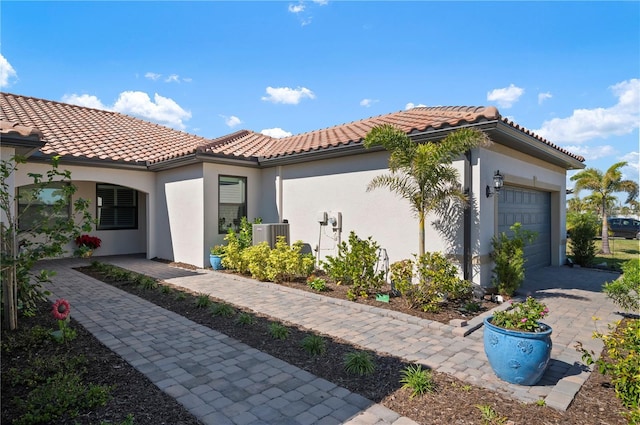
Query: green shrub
point(278, 331)
point(355, 265)
point(508, 256)
point(166, 289)
point(245, 319)
point(313, 344)
point(203, 300)
point(359, 363)
point(288, 263)
point(622, 344)
point(583, 230)
point(62, 394)
point(402, 276)
point(181, 296)
point(625, 291)
point(146, 282)
point(317, 283)
point(233, 254)
point(222, 309)
point(418, 380)
point(256, 258)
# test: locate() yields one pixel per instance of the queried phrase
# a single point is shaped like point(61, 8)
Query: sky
point(569, 71)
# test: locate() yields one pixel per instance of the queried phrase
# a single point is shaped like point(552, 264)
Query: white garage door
point(532, 209)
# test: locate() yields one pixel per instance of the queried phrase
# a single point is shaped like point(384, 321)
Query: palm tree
point(603, 186)
point(421, 172)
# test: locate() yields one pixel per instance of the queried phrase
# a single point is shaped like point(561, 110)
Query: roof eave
point(509, 136)
point(314, 155)
point(94, 162)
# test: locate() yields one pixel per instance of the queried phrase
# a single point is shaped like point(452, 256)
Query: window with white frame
point(117, 207)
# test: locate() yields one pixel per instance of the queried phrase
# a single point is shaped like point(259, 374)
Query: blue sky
point(569, 71)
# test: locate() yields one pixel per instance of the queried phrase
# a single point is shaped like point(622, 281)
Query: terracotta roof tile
point(92, 133)
point(412, 120)
point(8, 128)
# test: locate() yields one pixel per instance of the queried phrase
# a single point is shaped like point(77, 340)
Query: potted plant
point(517, 344)
point(215, 257)
point(86, 245)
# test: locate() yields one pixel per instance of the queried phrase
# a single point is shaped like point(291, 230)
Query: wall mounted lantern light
point(498, 182)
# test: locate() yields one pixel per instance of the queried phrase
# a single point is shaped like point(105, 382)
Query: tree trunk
point(605, 230)
point(421, 243)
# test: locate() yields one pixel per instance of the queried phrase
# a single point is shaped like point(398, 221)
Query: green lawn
point(621, 251)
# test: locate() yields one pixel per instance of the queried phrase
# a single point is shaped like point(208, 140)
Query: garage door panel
point(532, 209)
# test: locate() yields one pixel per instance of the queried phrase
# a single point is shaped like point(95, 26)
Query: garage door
point(532, 209)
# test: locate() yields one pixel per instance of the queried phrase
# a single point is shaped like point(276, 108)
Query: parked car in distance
point(627, 228)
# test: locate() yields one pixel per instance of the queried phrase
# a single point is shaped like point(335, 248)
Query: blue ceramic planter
point(517, 357)
point(216, 262)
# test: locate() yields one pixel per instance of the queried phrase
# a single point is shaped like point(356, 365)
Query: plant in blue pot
point(517, 344)
point(215, 256)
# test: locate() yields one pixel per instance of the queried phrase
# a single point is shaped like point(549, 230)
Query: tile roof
point(19, 130)
point(93, 133)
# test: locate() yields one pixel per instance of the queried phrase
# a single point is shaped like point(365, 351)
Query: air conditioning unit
point(269, 233)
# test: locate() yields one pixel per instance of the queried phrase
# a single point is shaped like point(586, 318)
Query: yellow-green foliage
point(233, 259)
point(287, 263)
point(625, 291)
point(256, 257)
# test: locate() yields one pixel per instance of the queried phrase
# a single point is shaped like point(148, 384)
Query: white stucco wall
point(85, 178)
point(339, 185)
point(211, 173)
point(518, 170)
point(180, 214)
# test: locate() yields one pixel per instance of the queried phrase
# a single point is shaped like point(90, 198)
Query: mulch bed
point(453, 402)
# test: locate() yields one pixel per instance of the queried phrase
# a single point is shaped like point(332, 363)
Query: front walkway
point(572, 295)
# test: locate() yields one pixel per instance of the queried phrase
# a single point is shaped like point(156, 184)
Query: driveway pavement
point(223, 381)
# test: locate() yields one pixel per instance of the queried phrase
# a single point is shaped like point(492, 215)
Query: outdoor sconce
point(498, 182)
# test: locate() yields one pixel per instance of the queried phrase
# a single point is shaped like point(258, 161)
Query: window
point(36, 205)
point(117, 207)
point(232, 202)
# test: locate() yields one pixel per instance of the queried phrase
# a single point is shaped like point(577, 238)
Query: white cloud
point(632, 169)
point(505, 97)
point(368, 102)
point(85, 100)
point(296, 8)
point(231, 121)
point(277, 133)
point(173, 78)
point(586, 124)
point(411, 105)
point(321, 2)
point(152, 76)
point(161, 109)
point(543, 96)
point(591, 153)
point(287, 95)
point(6, 72)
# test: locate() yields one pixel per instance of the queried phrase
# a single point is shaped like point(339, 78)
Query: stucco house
point(172, 195)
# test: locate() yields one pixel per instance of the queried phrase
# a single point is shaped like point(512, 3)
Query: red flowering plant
point(86, 245)
point(522, 316)
point(60, 311)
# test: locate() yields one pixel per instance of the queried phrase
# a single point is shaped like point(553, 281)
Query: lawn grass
point(622, 250)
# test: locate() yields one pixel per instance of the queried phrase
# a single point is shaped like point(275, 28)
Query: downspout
point(279, 186)
point(466, 244)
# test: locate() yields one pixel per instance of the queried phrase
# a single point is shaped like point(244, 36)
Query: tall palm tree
point(603, 186)
point(421, 172)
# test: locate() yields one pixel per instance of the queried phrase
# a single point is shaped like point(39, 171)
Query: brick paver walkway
point(572, 294)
